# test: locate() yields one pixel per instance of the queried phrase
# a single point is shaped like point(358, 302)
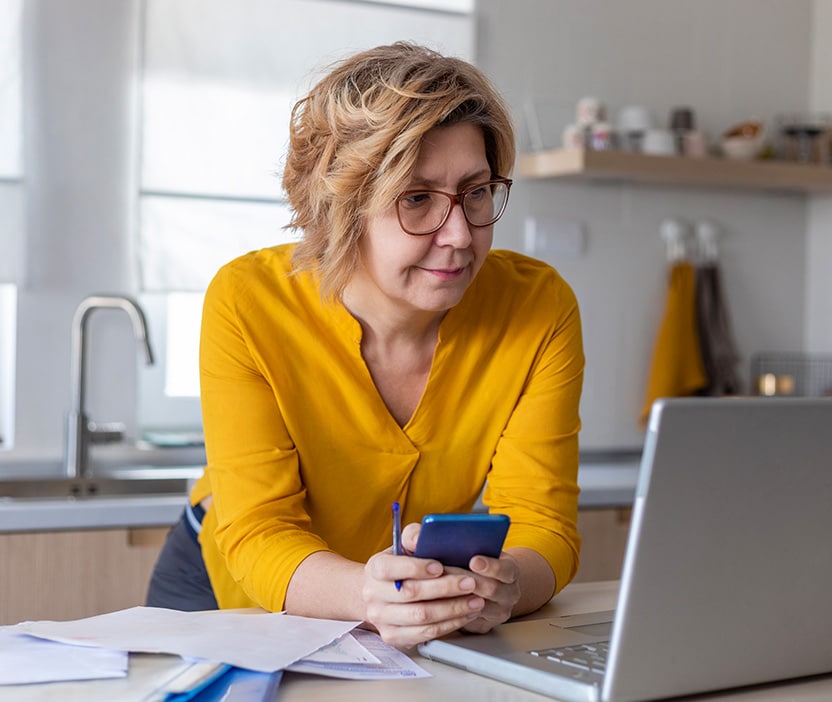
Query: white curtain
point(219, 80)
point(11, 166)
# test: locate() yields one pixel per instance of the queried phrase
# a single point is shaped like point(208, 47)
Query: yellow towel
point(677, 368)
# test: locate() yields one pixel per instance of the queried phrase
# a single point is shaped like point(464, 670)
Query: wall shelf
point(586, 166)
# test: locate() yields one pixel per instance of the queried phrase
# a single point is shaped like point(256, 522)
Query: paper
point(264, 642)
point(25, 659)
point(343, 650)
point(392, 663)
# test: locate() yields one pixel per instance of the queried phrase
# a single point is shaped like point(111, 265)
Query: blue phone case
point(453, 539)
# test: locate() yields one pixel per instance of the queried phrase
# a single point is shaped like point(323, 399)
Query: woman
point(388, 356)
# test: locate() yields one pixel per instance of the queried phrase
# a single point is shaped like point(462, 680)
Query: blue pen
point(397, 536)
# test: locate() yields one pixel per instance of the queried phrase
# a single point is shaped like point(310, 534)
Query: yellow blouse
point(304, 456)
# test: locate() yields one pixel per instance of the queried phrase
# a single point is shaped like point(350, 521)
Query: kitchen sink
point(127, 482)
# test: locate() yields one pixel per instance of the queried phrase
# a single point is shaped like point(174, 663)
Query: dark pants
point(179, 579)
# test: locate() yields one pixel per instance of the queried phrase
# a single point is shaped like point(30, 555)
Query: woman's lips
point(445, 273)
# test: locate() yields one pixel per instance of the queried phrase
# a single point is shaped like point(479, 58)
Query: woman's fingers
point(433, 600)
point(384, 568)
point(430, 602)
point(419, 580)
point(410, 535)
point(412, 623)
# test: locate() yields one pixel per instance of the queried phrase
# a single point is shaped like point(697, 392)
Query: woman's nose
point(456, 231)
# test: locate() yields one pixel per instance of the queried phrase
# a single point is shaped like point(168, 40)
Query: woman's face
point(430, 273)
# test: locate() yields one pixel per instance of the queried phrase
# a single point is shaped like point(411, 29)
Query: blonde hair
point(354, 140)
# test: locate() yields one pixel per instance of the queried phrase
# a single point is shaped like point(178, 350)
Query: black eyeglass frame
point(455, 199)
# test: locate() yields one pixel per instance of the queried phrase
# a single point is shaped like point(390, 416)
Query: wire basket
point(799, 374)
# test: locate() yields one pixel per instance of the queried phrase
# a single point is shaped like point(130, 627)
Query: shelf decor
point(584, 165)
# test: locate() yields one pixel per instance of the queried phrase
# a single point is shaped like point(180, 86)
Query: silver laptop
point(727, 578)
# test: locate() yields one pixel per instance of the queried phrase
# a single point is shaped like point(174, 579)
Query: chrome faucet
point(80, 431)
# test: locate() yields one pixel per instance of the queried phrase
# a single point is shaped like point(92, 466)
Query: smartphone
point(453, 539)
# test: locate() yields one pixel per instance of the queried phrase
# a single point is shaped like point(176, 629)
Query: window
point(11, 163)
point(10, 91)
point(8, 324)
point(219, 80)
point(11, 206)
point(168, 391)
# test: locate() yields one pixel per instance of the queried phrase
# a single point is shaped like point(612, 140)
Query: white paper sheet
point(265, 642)
point(391, 663)
point(343, 650)
point(25, 659)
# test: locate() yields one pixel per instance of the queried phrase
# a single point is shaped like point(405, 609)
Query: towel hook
point(707, 234)
point(676, 234)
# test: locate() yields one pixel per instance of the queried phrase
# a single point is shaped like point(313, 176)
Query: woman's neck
point(385, 323)
point(397, 348)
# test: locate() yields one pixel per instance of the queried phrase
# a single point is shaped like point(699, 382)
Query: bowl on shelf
point(742, 149)
point(743, 142)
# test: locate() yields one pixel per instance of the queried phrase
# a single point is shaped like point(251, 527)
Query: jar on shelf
point(804, 137)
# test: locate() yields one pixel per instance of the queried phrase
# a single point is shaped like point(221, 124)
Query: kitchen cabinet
point(72, 574)
point(604, 533)
point(581, 165)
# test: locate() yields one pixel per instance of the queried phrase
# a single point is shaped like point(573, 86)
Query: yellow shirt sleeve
point(304, 456)
point(534, 473)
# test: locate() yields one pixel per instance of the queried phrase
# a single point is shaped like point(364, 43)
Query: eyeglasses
point(423, 212)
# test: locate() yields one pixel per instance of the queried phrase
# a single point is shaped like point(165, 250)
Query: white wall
point(80, 72)
point(729, 61)
point(819, 228)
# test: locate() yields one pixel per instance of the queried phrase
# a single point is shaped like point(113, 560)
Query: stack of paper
point(243, 649)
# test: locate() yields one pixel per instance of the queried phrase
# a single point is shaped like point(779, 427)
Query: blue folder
point(232, 684)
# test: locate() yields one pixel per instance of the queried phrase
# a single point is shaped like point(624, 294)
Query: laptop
point(727, 576)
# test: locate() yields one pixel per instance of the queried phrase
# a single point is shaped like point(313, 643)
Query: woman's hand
point(498, 584)
point(432, 601)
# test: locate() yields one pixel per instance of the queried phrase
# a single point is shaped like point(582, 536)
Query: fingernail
point(467, 583)
point(435, 568)
point(476, 603)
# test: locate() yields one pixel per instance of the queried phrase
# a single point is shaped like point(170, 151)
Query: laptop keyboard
point(589, 657)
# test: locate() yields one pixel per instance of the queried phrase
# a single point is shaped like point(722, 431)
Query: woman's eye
point(415, 200)
point(477, 193)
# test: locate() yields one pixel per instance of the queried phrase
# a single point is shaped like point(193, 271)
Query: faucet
point(80, 431)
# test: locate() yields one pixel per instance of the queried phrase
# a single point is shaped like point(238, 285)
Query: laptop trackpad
point(590, 623)
point(600, 629)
